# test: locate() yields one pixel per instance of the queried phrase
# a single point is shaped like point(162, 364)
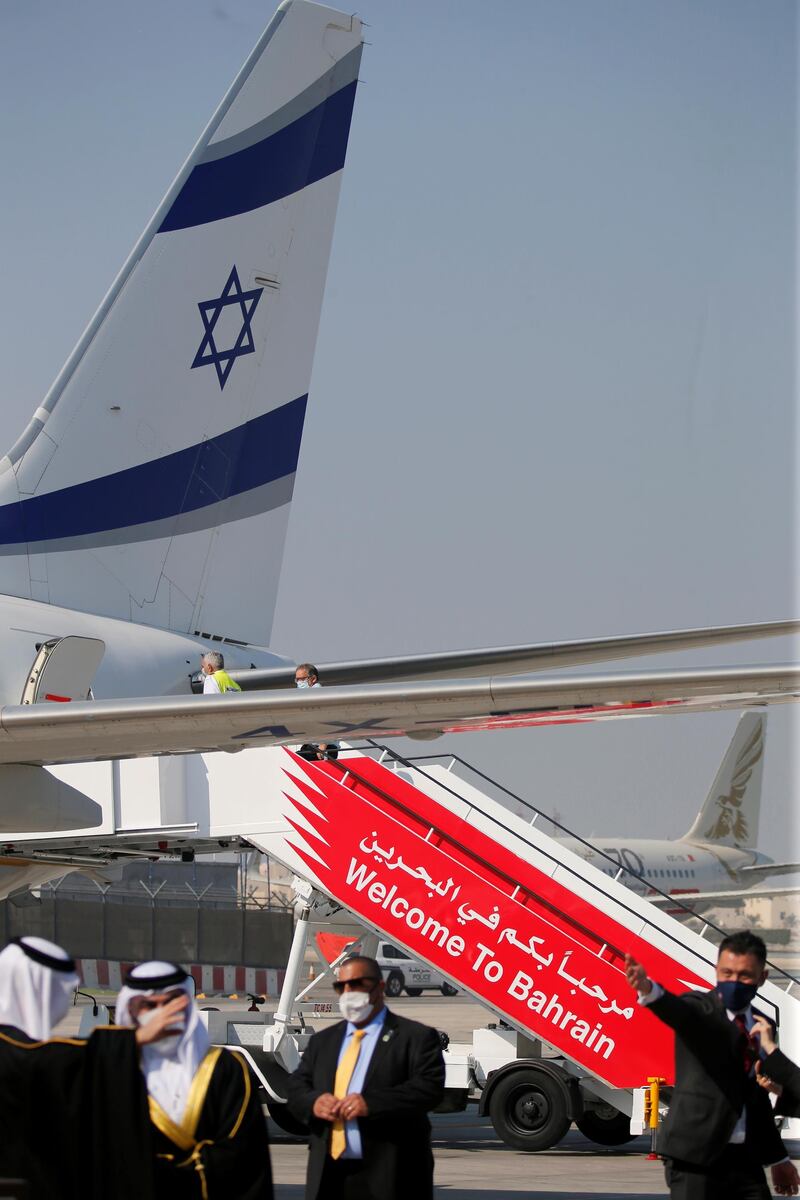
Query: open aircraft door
point(63, 670)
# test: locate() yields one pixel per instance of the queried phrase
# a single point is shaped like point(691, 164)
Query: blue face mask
point(736, 996)
point(301, 683)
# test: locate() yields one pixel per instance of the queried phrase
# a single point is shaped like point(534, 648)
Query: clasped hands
point(330, 1108)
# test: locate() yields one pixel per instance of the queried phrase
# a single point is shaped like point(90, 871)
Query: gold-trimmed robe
point(220, 1148)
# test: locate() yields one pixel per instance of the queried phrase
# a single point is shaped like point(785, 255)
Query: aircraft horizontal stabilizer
point(88, 731)
point(764, 870)
point(688, 899)
point(516, 660)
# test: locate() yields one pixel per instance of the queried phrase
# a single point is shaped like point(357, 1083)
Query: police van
point(402, 973)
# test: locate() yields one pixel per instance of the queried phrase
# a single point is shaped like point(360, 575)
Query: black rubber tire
point(449, 990)
point(413, 991)
point(395, 984)
point(606, 1126)
point(528, 1109)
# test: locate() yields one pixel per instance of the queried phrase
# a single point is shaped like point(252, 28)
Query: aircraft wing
point(514, 660)
point(48, 734)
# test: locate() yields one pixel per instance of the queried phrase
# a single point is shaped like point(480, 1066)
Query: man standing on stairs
point(307, 676)
point(364, 1088)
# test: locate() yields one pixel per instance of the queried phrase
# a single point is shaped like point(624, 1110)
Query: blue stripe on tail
point(303, 152)
point(259, 452)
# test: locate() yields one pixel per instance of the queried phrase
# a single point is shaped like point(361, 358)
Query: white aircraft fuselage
point(138, 660)
point(675, 867)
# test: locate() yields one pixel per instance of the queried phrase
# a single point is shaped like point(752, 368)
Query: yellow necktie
point(344, 1073)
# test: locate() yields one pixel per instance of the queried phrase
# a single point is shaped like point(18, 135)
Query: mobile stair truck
point(428, 861)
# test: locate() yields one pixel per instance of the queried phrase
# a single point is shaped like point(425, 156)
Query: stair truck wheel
point(606, 1125)
point(413, 991)
point(529, 1108)
point(395, 984)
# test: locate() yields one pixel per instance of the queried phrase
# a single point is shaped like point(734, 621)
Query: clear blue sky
point(555, 388)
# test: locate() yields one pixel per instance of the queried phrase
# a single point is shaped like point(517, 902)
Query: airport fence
point(200, 917)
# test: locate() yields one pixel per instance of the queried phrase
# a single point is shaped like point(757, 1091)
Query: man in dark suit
point(364, 1088)
point(719, 1132)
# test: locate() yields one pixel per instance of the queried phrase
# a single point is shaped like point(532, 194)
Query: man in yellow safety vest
point(217, 680)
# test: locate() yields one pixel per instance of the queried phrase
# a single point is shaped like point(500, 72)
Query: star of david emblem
point(211, 311)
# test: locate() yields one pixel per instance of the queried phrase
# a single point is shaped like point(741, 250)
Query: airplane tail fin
point(154, 481)
point(730, 814)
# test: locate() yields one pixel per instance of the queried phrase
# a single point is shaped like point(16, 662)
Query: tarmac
point(471, 1164)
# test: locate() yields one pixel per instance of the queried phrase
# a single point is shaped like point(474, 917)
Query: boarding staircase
point(510, 914)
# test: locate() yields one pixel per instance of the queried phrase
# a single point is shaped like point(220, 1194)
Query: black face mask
point(735, 995)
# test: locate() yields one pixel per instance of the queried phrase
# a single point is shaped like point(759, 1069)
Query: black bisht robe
point(220, 1149)
point(73, 1116)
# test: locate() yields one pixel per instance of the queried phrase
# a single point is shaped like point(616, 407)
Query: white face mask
point(355, 1006)
point(301, 683)
point(166, 1047)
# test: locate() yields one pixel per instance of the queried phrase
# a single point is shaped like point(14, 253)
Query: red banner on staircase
point(543, 954)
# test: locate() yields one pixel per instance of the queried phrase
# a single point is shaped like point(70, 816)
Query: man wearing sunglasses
point(364, 1089)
